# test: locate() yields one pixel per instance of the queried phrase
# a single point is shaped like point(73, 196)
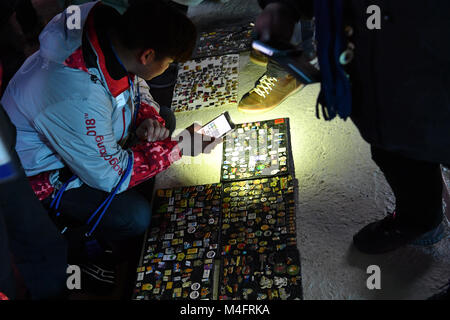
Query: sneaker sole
point(431, 237)
point(376, 251)
point(258, 62)
point(254, 111)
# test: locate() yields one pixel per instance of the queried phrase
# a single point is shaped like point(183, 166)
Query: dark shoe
point(98, 269)
point(98, 278)
point(384, 235)
point(444, 294)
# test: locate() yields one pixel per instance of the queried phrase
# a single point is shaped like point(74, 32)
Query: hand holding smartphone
point(209, 136)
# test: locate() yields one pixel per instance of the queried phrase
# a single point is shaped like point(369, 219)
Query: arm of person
point(162, 153)
point(81, 134)
point(147, 118)
point(145, 95)
point(150, 125)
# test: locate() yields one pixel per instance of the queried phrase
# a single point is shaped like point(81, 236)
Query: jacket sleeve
point(81, 133)
point(300, 9)
point(152, 157)
point(145, 94)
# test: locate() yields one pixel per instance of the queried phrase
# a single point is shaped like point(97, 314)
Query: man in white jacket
point(78, 102)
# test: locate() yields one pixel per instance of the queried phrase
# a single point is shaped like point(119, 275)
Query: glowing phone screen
point(216, 128)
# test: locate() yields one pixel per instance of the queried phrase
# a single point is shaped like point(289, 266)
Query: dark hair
point(159, 26)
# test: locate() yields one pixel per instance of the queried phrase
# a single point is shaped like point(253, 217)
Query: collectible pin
point(293, 270)
point(194, 295)
point(195, 286)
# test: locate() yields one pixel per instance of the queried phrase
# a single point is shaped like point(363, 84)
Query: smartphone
point(219, 126)
point(301, 64)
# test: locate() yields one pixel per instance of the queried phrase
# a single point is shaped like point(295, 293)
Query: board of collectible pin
point(260, 259)
point(224, 40)
point(257, 149)
point(206, 83)
point(178, 255)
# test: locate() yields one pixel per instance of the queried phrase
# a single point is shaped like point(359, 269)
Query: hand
point(193, 143)
point(151, 130)
point(275, 23)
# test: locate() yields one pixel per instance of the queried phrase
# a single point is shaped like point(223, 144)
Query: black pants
point(121, 227)
point(27, 235)
point(417, 187)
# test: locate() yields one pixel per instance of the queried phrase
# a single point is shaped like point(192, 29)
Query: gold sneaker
point(258, 58)
point(268, 93)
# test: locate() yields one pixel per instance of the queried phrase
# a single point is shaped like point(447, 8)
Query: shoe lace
point(265, 86)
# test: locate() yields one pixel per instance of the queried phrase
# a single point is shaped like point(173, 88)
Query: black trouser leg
point(417, 187)
point(125, 220)
point(169, 117)
point(38, 249)
point(7, 285)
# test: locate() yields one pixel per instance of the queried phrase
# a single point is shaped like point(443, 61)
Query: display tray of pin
point(180, 247)
point(257, 149)
point(260, 259)
point(207, 82)
point(269, 276)
point(232, 38)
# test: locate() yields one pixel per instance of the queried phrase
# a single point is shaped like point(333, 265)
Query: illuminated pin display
point(260, 259)
point(245, 225)
point(257, 149)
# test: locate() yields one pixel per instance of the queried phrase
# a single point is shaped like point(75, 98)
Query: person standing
point(395, 92)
